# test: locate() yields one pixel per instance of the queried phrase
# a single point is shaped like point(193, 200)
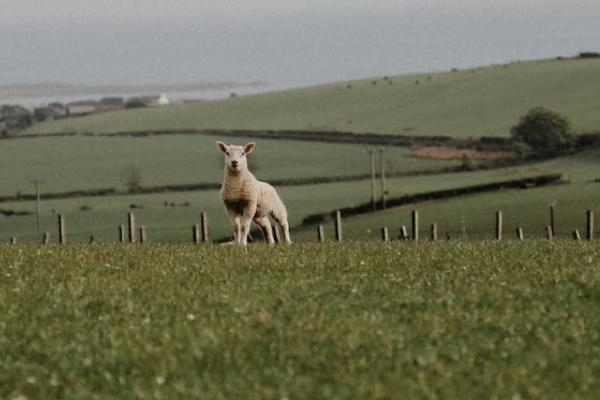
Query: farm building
point(150, 101)
point(81, 108)
point(58, 110)
point(110, 104)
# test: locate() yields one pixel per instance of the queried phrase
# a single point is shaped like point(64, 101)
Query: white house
point(152, 101)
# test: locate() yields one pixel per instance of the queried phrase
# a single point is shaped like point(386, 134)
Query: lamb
point(247, 198)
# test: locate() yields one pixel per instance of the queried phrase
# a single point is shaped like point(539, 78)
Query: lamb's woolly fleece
point(247, 199)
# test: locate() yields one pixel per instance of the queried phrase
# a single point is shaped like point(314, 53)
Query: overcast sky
point(56, 11)
point(285, 42)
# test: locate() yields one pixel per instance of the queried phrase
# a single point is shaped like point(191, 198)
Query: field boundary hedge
point(376, 139)
point(366, 208)
point(193, 187)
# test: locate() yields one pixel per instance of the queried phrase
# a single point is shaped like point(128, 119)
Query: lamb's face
point(235, 156)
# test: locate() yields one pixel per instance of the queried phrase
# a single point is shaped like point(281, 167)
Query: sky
point(284, 42)
point(93, 11)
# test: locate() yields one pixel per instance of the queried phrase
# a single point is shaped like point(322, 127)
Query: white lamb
point(247, 198)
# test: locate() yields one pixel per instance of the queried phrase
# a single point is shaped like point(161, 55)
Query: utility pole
point(382, 172)
point(37, 196)
point(371, 153)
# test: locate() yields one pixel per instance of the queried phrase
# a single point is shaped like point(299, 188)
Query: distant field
point(475, 214)
point(467, 103)
point(352, 321)
point(83, 163)
point(172, 222)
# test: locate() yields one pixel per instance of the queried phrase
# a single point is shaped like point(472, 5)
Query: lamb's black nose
point(234, 164)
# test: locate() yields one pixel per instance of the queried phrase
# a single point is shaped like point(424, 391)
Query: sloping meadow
point(352, 320)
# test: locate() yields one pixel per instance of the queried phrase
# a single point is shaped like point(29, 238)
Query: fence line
point(200, 232)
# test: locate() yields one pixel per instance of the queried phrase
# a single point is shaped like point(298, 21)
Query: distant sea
point(212, 59)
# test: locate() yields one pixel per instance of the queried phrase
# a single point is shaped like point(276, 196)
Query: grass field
point(358, 320)
point(475, 214)
point(467, 103)
point(83, 163)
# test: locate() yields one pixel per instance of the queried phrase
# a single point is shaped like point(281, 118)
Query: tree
point(132, 178)
point(543, 130)
point(15, 116)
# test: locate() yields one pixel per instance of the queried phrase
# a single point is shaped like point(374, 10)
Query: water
point(282, 52)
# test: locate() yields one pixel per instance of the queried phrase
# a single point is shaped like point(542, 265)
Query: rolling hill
point(462, 103)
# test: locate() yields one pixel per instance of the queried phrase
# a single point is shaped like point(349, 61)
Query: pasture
point(332, 321)
point(84, 163)
point(169, 216)
point(475, 102)
point(473, 216)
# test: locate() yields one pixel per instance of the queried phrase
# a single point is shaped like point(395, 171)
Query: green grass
point(467, 103)
point(173, 223)
point(83, 163)
point(358, 320)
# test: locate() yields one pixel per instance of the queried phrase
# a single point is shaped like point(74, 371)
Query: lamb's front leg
point(236, 224)
point(249, 213)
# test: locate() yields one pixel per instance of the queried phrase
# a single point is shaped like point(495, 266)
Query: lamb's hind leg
point(265, 225)
point(281, 218)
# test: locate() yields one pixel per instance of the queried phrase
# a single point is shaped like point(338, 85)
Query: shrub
point(132, 178)
point(467, 163)
point(135, 103)
point(543, 130)
point(589, 54)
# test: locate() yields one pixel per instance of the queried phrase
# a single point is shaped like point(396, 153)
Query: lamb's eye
point(243, 154)
point(227, 152)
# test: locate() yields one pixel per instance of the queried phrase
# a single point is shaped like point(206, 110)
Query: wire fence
point(527, 220)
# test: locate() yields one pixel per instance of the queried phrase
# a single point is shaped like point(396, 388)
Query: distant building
point(81, 108)
point(58, 110)
point(110, 104)
point(149, 101)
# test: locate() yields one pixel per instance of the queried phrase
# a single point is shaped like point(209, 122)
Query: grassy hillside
point(359, 320)
point(469, 103)
point(76, 163)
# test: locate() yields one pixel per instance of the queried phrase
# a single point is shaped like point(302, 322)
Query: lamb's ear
point(249, 148)
point(222, 146)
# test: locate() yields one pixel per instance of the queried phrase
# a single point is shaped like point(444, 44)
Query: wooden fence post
point(142, 234)
point(549, 233)
point(196, 233)
point(498, 225)
point(434, 232)
point(46, 238)
point(590, 225)
point(338, 226)
point(62, 239)
point(122, 233)
point(320, 233)
point(552, 220)
point(204, 225)
point(131, 225)
point(13, 240)
point(415, 225)
point(403, 233)
point(385, 234)
point(576, 234)
point(520, 234)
